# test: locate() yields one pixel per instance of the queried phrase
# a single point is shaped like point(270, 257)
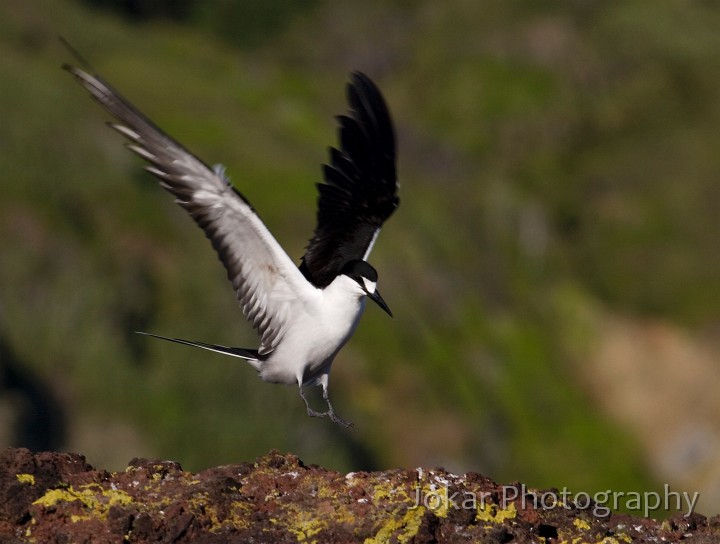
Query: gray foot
point(329, 414)
point(338, 420)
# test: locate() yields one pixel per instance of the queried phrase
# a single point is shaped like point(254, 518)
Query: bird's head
point(366, 277)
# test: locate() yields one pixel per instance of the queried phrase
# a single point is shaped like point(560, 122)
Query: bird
point(303, 314)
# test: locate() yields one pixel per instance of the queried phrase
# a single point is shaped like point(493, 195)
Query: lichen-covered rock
point(53, 497)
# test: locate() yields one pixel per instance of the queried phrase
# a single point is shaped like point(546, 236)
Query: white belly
point(308, 347)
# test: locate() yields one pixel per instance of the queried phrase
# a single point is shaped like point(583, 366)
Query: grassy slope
point(554, 165)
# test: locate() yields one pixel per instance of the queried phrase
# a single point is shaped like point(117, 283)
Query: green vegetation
point(557, 161)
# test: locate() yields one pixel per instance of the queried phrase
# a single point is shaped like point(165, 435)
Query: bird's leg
point(310, 411)
point(331, 413)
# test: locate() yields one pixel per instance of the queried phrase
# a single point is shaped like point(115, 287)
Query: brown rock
point(53, 497)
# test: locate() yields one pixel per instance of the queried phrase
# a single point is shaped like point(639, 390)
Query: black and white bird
point(303, 315)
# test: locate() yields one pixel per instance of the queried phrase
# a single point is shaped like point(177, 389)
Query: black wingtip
point(364, 84)
point(76, 54)
point(369, 106)
point(357, 76)
point(360, 76)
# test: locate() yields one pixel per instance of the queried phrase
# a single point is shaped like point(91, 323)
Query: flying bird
point(302, 315)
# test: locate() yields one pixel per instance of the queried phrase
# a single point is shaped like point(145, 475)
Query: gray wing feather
point(264, 277)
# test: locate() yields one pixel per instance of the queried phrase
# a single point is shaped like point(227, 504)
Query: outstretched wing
point(360, 189)
point(265, 279)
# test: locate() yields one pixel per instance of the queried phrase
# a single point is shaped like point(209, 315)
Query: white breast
point(315, 333)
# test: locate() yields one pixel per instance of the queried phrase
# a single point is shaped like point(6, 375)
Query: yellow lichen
point(95, 498)
point(408, 526)
point(612, 539)
point(492, 513)
point(428, 496)
point(382, 491)
point(305, 527)
point(26, 478)
point(581, 524)
point(434, 499)
point(237, 517)
point(240, 515)
point(566, 540)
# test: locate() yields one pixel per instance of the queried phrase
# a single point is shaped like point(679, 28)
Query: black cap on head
point(359, 269)
point(362, 272)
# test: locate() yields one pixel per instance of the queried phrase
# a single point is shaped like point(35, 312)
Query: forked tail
point(247, 354)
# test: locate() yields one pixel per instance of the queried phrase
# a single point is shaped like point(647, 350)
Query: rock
point(58, 498)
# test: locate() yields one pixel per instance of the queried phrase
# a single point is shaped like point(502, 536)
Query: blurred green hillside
point(559, 166)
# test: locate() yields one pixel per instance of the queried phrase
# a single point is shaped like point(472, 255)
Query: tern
point(302, 314)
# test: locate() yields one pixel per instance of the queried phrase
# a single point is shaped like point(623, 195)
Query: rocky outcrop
point(59, 497)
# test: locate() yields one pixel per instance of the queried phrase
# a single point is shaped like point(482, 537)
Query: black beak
point(376, 298)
